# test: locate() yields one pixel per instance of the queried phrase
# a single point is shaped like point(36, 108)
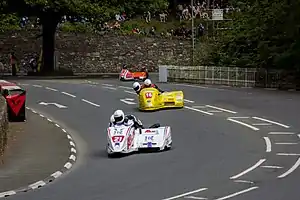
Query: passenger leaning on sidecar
point(147, 84)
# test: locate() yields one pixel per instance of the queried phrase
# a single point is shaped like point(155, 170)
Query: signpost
point(217, 14)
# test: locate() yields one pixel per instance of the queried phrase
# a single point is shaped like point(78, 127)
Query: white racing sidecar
point(123, 139)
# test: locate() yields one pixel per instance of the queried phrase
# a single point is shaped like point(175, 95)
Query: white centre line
point(90, 102)
point(249, 169)
point(222, 109)
point(130, 92)
point(127, 102)
point(52, 89)
point(193, 197)
point(215, 111)
point(243, 181)
point(194, 109)
point(124, 87)
point(268, 144)
point(244, 124)
point(109, 85)
point(68, 94)
point(186, 194)
point(262, 124)
point(286, 143)
point(189, 101)
point(293, 168)
point(271, 167)
point(39, 86)
point(111, 88)
point(272, 122)
point(239, 117)
point(238, 193)
point(287, 154)
point(281, 133)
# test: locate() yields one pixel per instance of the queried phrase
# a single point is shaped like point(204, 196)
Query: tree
point(264, 35)
point(50, 13)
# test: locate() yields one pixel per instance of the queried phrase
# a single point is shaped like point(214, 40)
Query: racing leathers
point(136, 123)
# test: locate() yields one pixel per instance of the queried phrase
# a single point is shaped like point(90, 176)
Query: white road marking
point(24, 84)
point(281, 133)
point(244, 124)
point(193, 197)
point(238, 193)
point(286, 143)
point(72, 143)
point(39, 86)
point(199, 106)
point(186, 194)
point(56, 174)
point(287, 154)
point(268, 144)
point(52, 89)
point(37, 184)
point(42, 115)
point(68, 165)
point(110, 88)
point(8, 193)
point(298, 135)
point(49, 120)
point(71, 95)
point(69, 137)
point(109, 85)
point(272, 122)
point(222, 109)
point(73, 150)
point(243, 181)
point(130, 92)
point(293, 168)
point(249, 169)
point(90, 102)
point(261, 124)
point(129, 99)
point(189, 101)
point(194, 109)
point(57, 125)
point(63, 130)
point(127, 102)
point(72, 157)
point(238, 117)
point(215, 111)
point(124, 87)
point(271, 167)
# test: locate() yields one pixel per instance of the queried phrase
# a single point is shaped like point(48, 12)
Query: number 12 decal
point(148, 95)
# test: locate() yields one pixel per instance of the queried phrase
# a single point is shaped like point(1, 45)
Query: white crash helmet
point(119, 116)
point(147, 82)
point(136, 86)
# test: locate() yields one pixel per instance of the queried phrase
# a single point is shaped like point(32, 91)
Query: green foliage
point(8, 22)
point(76, 27)
point(264, 35)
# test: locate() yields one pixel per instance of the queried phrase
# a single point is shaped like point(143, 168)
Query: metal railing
point(234, 76)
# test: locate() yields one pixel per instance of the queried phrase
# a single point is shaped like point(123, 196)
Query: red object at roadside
point(15, 99)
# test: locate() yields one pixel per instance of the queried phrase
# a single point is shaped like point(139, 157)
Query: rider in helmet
point(148, 84)
point(124, 66)
point(137, 87)
point(119, 118)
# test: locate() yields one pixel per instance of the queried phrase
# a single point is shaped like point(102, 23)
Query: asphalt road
point(214, 156)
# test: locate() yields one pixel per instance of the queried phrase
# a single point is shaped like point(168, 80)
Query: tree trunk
point(49, 22)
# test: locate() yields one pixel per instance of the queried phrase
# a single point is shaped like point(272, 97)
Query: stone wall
point(100, 53)
point(3, 125)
